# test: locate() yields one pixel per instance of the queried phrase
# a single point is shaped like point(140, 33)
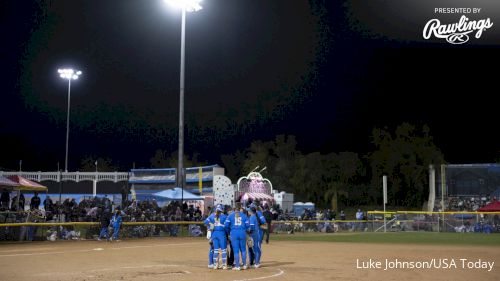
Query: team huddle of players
point(239, 228)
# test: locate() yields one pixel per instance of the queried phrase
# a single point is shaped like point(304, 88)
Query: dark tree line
point(344, 178)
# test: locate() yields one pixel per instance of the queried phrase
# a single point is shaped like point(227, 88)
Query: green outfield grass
point(472, 239)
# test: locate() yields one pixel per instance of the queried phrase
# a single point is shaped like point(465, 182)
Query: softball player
point(230, 252)
point(218, 237)
point(262, 221)
point(116, 222)
point(255, 234)
point(237, 224)
point(210, 228)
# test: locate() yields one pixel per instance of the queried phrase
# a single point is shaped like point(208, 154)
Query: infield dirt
point(186, 259)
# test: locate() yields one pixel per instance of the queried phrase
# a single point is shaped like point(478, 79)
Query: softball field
point(186, 259)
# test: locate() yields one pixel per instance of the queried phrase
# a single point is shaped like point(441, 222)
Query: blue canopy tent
point(177, 194)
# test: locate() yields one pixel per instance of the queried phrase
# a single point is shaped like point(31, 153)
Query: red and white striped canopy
point(26, 184)
point(256, 195)
point(6, 182)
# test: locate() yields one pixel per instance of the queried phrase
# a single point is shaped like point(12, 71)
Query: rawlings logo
point(456, 33)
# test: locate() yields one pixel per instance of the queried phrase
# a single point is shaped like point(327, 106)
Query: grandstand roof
point(167, 175)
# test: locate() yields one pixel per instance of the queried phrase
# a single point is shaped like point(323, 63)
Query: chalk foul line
point(281, 272)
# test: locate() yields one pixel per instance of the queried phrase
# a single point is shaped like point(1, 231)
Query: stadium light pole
point(68, 74)
point(185, 6)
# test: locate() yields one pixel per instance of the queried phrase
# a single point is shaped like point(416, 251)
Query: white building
point(284, 200)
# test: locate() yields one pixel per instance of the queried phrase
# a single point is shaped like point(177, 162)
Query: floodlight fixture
point(187, 5)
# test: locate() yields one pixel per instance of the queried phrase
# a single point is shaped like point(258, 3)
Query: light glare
point(189, 5)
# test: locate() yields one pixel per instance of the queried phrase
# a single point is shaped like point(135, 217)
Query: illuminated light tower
point(185, 6)
point(69, 74)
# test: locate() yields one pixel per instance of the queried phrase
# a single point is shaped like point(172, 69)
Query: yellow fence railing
point(161, 223)
point(433, 213)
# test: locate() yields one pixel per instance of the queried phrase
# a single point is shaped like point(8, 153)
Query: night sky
point(327, 72)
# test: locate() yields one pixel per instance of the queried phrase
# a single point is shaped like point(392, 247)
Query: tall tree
point(258, 155)
point(340, 171)
point(307, 178)
point(405, 158)
point(284, 166)
point(278, 156)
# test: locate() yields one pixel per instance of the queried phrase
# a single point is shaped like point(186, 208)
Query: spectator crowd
point(467, 203)
point(93, 209)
